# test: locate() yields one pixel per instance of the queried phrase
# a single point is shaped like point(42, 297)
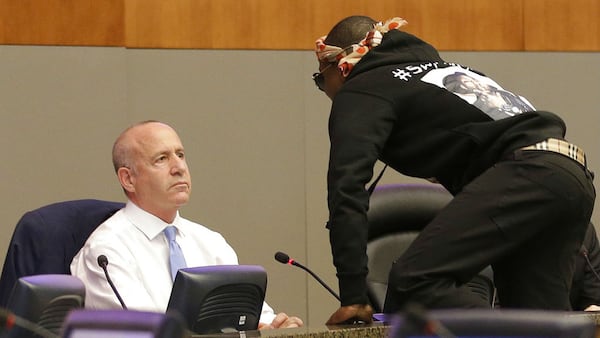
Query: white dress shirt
point(138, 260)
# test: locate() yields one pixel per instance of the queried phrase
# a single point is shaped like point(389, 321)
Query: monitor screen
point(220, 298)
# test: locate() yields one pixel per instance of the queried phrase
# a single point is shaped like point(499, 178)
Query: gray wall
point(255, 131)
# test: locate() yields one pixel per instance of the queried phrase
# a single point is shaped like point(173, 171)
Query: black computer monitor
point(496, 323)
point(122, 324)
point(220, 298)
point(44, 301)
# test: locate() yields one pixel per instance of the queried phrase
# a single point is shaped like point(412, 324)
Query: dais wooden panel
point(465, 24)
point(222, 24)
point(295, 24)
point(557, 25)
point(462, 25)
point(62, 22)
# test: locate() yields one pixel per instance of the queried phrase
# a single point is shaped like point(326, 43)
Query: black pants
point(525, 216)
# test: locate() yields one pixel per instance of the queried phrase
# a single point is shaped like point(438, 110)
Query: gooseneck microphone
point(584, 252)
point(9, 320)
point(103, 262)
point(285, 259)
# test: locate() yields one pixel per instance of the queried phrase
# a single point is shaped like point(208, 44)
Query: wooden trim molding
point(459, 25)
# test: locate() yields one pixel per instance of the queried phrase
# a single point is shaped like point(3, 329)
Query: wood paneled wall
point(462, 25)
point(62, 22)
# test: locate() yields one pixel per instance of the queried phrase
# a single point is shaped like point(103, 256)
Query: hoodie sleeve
point(359, 126)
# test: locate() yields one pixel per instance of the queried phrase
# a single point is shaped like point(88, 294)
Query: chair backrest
point(397, 213)
point(401, 208)
point(46, 239)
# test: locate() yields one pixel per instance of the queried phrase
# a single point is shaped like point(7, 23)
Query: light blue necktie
point(176, 258)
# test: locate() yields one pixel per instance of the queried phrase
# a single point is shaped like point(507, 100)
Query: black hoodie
point(396, 106)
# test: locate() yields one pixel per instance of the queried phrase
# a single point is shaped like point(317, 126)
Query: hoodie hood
point(397, 47)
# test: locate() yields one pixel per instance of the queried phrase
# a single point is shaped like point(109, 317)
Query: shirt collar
point(147, 223)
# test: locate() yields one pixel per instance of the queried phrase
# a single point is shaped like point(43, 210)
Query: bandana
point(347, 57)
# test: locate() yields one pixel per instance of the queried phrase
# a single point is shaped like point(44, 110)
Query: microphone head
point(282, 257)
point(102, 261)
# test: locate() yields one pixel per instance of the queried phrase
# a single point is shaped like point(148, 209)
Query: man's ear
point(126, 179)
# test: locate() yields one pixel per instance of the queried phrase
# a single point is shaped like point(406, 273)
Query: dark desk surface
point(593, 315)
point(375, 330)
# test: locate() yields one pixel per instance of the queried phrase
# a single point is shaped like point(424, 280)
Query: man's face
point(161, 180)
point(333, 79)
point(468, 84)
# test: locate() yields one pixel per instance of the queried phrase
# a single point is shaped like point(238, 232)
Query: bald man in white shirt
point(150, 163)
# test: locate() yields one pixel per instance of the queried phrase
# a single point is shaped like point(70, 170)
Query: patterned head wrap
point(347, 57)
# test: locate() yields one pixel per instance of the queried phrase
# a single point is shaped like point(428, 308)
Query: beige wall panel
point(243, 129)
point(568, 25)
point(62, 22)
point(255, 131)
